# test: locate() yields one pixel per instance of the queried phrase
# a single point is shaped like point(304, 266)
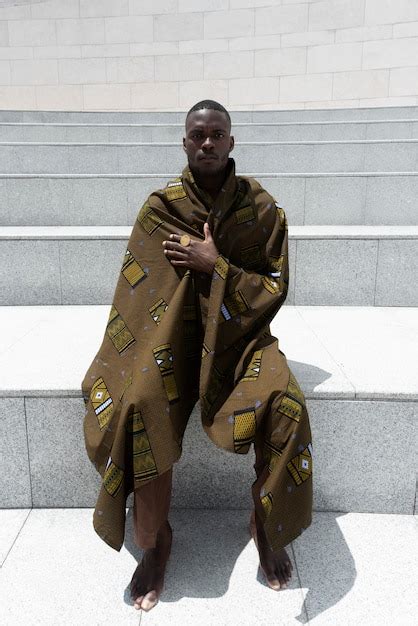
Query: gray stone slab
point(338, 157)
point(91, 159)
point(336, 272)
point(30, 272)
point(391, 157)
point(390, 130)
point(14, 462)
point(32, 159)
point(145, 159)
point(90, 269)
point(274, 157)
point(360, 464)
point(397, 272)
point(11, 522)
point(138, 190)
point(337, 200)
point(290, 299)
point(391, 200)
point(61, 473)
point(37, 200)
point(342, 563)
point(103, 201)
point(289, 193)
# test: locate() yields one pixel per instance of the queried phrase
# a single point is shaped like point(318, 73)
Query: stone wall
point(167, 54)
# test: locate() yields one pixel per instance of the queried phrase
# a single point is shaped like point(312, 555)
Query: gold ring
point(185, 240)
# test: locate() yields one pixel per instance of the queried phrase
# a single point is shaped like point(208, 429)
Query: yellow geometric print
point(300, 467)
point(148, 219)
point(221, 267)
point(205, 351)
point(267, 502)
point(270, 284)
point(281, 214)
point(102, 403)
point(293, 400)
point(246, 214)
point(143, 458)
point(157, 310)
point(234, 304)
point(251, 256)
point(271, 454)
point(164, 358)
point(132, 270)
point(253, 369)
point(175, 190)
point(244, 429)
point(112, 479)
point(118, 332)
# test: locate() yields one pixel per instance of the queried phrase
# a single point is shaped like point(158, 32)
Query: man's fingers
point(172, 245)
point(174, 254)
point(206, 230)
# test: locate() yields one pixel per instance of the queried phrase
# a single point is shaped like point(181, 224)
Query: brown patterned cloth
point(175, 336)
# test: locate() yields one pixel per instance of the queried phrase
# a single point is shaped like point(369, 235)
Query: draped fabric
point(175, 336)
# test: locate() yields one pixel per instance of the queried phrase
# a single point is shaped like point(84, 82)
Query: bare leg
point(277, 568)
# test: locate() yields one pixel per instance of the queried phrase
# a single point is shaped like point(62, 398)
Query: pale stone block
point(404, 30)
point(178, 27)
point(179, 67)
point(163, 95)
point(49, 9)
point(307, 38)
point(401, 101)
point(34, 72)
point(80, 71)
point(60, 97)
point(390, 53)
point(253, 91)
point(107, 97)
point(334, 58)
point(363, 33)
point(32, 33)
point(331, 14)
point(57, 52)
point(14, 457)
point(82, 31)
point(7, 52)
point(229, 24)
point(110, 50)
point(5, 74)
point(102, 8)
point(280, 62)
point(191, 92)
point(281, 19)
point(154, 48)
point(4, 34)
point(248, 4)
point(15, 12)
point(255, 43)
point(205, 45)
point(152, 7)
point(229, 64)
point(130, 29)
point(397, 269)
point(366, 84)
point(403, 81)
point(18, 97)
point(306, 88)
point(186, 6)
point(129, 70)
point(389, 12)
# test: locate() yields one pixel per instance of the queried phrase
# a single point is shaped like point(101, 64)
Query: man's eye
point(220, 135)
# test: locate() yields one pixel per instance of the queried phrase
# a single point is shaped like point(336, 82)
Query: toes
point(273, 582)
point(137, 602)
point(149, 601)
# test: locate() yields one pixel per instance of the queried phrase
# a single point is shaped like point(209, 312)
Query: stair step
point(253, 131)
point(329, 265)
point(362, 395)
point(309, 198)
point(116, 158)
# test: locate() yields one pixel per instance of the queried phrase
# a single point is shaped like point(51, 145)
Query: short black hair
point(209, 104)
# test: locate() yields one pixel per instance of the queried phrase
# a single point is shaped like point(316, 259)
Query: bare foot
point(148, 580)
point(277, 568)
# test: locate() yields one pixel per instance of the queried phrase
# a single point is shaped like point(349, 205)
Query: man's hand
point(198, 255)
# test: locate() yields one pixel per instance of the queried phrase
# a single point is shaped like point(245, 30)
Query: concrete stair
point(348, 180)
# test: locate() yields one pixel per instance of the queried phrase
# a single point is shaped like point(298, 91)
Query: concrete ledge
point(360, 405)
point(352, 265)
point(309, 198)
point(303, 156)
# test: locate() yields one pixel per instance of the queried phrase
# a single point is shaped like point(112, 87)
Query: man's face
point(208, 141)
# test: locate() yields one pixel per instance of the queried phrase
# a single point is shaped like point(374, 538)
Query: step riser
point(350, 471)
point(317, 132)
point(115, 201)
point(120, 159)
point(364, 272)
point(372, 113)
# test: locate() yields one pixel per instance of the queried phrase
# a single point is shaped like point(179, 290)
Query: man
point(205, 272)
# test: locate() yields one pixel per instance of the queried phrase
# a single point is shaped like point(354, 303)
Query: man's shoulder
point(255, 189)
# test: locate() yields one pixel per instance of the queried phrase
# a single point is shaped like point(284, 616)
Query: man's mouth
point(208, 157)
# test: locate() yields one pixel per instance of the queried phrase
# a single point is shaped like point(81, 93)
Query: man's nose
point(208, 143)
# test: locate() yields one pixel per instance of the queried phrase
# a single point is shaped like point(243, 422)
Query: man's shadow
point(208, 541)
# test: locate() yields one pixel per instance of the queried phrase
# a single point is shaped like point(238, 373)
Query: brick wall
point(166, 54)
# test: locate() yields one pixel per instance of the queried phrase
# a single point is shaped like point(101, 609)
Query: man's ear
point(184, 144)
point(231, 143)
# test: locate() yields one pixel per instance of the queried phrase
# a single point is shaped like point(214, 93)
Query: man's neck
point(211, 184)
